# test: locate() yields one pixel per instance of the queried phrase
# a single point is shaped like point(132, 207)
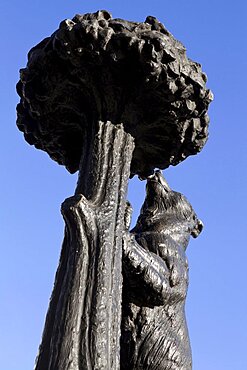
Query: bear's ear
point(197, 229)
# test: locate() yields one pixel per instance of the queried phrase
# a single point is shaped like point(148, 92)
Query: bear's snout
point(157, 178)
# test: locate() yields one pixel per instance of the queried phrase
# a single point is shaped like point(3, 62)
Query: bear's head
point(167, 211)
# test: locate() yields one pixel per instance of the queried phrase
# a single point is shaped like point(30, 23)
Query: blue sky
point(33, 186)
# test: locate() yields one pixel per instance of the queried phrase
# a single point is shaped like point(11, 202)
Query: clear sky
point(33, 186)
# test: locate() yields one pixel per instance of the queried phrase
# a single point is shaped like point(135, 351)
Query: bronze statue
point(112, 99)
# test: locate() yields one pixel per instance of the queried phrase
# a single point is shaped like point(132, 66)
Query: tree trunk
point(82, 329)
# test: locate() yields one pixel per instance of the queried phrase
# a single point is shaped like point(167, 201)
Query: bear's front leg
point(146, 275)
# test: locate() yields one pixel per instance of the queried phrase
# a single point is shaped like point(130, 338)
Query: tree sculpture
point(110, 98)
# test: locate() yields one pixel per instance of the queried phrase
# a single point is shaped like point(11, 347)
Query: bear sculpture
point(154, 333)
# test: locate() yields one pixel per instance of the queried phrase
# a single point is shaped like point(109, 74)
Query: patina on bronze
point(113, 98)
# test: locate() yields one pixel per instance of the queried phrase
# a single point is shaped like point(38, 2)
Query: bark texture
point(82, 327)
